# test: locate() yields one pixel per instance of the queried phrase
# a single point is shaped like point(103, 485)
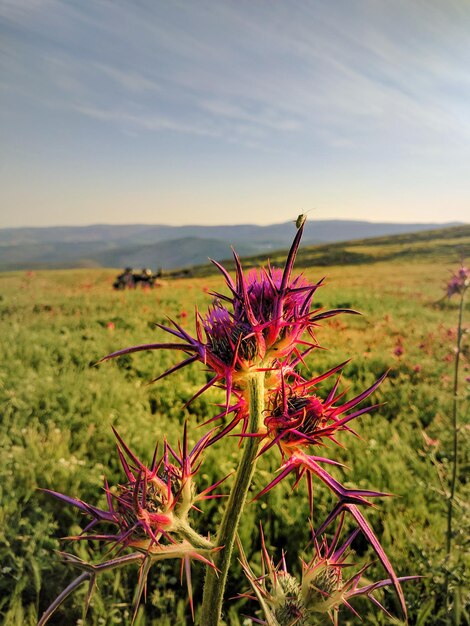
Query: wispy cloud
point(144, 121)
point(289, 87)
point(132, 81)
point(225, 70)
point(266, 117)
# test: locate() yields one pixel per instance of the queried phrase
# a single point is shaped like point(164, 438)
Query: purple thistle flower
point(458, 282)
point(296, 421)
point(297, 417)
point(261, 322)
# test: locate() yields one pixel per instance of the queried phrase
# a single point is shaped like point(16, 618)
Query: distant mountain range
point(169, 247)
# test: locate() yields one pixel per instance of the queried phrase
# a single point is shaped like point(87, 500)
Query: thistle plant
point(325, 586)
point(148, 514)
point(457, 286)
point(252, 340)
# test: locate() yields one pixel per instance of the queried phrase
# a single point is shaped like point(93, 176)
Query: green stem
point(215, 582)
point(453, 480)
point(194, 538)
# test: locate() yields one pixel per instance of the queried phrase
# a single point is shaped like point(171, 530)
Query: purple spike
point(368, 532)
point(171, 331)
point(147, 346)
point(213, 381)
point(176, 456)
point(201, 445)
point(351, 608)
point(226, 275)
point(337, 488)
point(380, 606)
point(125, 465)
point(318, 379)
point(362, 396)
point(224, 432)
point(83, 506)
point(175, 368)
point(287, 470)
point(108, 497)
point(340, 423)
point(202, 495)
point(333, 391)
point(339, 553)
point(332, 313)
point(60, 598)
point(128, 451)
point(289, 266)
point(181, 331)
point(381, 583)
point(153, 465)
point(334, 542)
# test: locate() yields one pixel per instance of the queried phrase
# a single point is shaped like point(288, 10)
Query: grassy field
point(57, 410)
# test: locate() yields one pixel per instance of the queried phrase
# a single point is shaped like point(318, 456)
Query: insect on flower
point(301, 219)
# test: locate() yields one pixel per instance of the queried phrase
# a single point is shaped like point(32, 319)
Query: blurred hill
point(443, 245)
point(169, 247)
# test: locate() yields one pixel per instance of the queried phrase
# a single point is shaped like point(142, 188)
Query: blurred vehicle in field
point(129, 279)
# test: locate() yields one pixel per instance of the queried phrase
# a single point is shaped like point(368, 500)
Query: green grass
point(57, 411)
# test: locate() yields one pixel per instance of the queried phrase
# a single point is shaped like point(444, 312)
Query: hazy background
point(230, 112)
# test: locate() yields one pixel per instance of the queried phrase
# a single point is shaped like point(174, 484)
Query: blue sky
point(234, 112)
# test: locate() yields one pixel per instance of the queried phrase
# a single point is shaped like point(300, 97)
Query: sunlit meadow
point(58, 409)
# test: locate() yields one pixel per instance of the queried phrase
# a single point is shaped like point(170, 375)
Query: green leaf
point(425, 611)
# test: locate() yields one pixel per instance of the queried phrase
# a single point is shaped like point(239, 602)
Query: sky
point(223, 112)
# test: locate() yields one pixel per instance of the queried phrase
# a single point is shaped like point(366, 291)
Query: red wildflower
point(398, 350)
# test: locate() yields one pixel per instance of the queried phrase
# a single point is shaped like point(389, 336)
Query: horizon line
point(161, 224)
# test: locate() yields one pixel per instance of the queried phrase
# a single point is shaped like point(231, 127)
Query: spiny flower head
point(149, 513)
point(323, 589)
point(153, 503)
point(297, 417)
point(259, 323)
point(230, 341)
point(277, 313)
point(458, 282)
